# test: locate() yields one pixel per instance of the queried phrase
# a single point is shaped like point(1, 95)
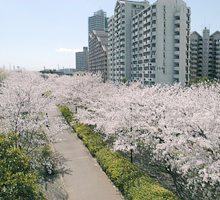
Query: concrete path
point(83, 177)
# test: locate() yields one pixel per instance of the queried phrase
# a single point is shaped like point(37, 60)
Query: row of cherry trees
point(180, 125)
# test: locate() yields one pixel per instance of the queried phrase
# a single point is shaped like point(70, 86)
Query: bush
point(17, 180)
point(145, 189)
point(66, 113)
point(94, 143)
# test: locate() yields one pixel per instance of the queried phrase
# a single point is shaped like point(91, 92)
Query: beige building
point(98, 48)
point(205, 55)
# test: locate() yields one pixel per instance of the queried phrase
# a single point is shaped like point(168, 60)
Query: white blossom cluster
point(25, 98)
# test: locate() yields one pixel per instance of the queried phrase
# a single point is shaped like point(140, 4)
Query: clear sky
point(38, 33)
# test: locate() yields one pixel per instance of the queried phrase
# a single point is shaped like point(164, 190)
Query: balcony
point(154, 18)
point(176, 68)
point(177, 21)
point(154, 33)
point(176, 53)
point(154, 10)
point(177, 29)
point(193, 57)
point(177, 45)
point(217, 70)
point(154, 26)
point(176, 37)
point(176, 60)
point(177, 14)
point(176, 76)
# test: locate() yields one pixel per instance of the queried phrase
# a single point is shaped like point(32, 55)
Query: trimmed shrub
point(118, 168)
point(94, 143)
point(68, 115)
point(145, 189)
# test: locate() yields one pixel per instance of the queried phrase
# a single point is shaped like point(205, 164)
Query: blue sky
point(38, 33)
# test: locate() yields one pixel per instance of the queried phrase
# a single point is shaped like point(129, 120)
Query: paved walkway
point(83, 178)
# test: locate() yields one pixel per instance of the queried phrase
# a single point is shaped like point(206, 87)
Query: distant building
point(82, 60)
point(205, 55)
point(150, 43)
point(98, 49)
point(67, 71)
point(98, 21)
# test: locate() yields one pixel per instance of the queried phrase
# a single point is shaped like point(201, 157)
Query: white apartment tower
point(160, 43)
point(205, 55)
point(150, 43)
point(119, 38)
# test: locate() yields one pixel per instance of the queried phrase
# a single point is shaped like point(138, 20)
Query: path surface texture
point(83, 177)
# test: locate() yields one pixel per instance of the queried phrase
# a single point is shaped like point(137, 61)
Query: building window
point(164, 63)
point(164, 47)
point(164, 8)
point(164, 31)
point(164, 54)
point(164, 39)
point(164, 16)
point(164, 24)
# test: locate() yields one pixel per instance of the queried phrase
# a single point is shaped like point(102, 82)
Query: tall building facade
point(82, 60)
point(205, 55)
point(98, 48)
point(119, 29)
point(156, 41)
point(161, 43)
point(98, 21)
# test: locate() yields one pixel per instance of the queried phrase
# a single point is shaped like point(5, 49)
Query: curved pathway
point(83, 177)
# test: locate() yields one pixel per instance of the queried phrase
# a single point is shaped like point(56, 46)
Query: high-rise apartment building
point(98, 48)
point(82, 60)
point(205, 55)
point(150, 43)
point(119, 28)
point(160, 43)
point(98, 21)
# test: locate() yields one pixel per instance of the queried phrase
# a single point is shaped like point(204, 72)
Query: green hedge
point(133, 183)
point(66, 113)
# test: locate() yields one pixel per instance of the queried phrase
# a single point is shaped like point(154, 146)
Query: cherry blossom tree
point(24, 101)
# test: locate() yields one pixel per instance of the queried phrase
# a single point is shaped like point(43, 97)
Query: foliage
point(143, 188)
point(17, 179)
point(66, 113)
